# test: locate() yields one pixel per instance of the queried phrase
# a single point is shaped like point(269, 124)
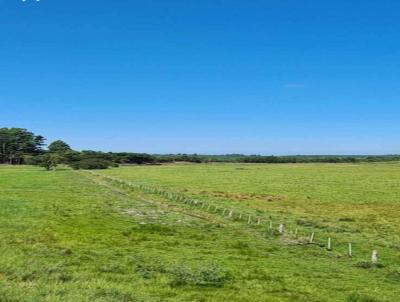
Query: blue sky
point(218, 76)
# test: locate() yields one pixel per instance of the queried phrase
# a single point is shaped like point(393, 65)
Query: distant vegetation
point(241, 158)
point(15, 143)
point(20, 146)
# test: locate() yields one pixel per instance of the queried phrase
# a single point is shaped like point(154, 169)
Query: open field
point(76, 236)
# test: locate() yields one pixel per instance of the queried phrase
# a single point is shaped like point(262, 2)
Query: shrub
point(48, 161)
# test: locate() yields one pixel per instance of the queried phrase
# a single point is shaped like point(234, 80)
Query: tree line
point(15, 143)
point(20, 146)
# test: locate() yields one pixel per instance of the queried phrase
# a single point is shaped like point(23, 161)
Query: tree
point(59, 147)
point(49, 161)
point(17, 142)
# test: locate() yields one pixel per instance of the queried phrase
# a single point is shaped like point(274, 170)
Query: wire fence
point(290, 231)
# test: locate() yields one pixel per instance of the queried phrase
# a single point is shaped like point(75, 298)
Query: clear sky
point(205, 76)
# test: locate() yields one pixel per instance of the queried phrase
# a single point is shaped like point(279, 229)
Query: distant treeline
point(20, 146)
point(241, 158)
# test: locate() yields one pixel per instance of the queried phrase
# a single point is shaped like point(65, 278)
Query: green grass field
point(75, 236)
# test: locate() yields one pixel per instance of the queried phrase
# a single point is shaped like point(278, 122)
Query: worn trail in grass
point(65, 236)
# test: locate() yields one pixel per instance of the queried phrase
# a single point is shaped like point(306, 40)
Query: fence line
point(233, 214)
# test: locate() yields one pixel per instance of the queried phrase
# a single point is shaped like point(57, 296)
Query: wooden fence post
point(374, 257)
point(312, 237)
point(329, 244)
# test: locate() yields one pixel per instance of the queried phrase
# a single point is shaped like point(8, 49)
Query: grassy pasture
point(73, 236)
point(363, 196)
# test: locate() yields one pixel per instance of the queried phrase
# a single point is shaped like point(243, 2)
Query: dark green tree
point(59, 147)
point(17, 142)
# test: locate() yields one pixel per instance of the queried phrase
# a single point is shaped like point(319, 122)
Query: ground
point(136, 234)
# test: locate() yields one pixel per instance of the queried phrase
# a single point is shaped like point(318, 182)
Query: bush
point(91, 164)
point(49, 161)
